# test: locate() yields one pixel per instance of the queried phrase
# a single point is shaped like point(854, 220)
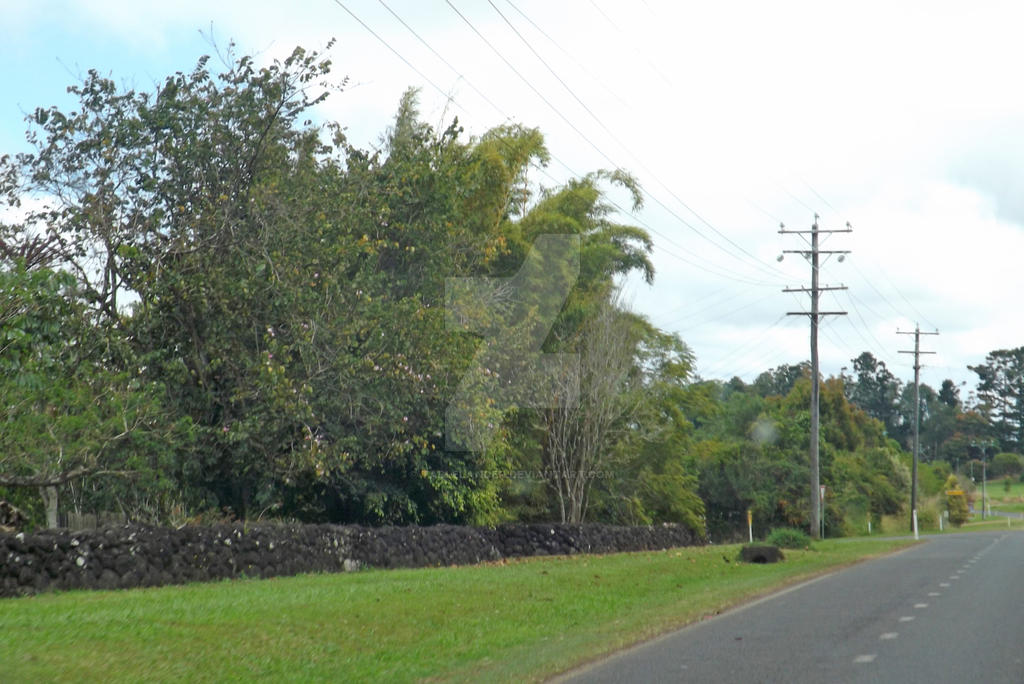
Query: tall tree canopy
point(1001, 395)
point(248, 276)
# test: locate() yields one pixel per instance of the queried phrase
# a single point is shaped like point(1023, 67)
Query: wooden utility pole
point(813, 255)
point(917, 415)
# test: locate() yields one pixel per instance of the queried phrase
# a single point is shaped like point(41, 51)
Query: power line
point(625, 147)
point(710, 301)
point(438, 55)
point(735, 311)
point(590, 142)
point(908, 302)
point(565, 52)
point(818, 195)
point(861, 336)
point(878, 346)
point(722, 272)
point(730, 356)
point(650, 62)
point(409, 64)
point(876, 290)
point(891, 284)
point(794, 197)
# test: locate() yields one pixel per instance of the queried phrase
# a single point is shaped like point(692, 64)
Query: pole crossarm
point(807, 252)
point(822, 288)
point(812, 231)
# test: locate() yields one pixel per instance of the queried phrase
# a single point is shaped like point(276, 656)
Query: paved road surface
point(950, 610)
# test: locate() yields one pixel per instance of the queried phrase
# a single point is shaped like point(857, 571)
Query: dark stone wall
point(141, 556)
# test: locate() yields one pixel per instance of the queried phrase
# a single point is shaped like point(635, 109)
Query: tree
point(594, 403)
point(1001, 395)
point(70, 413)
point(779, 381)
point(968, 427)
point(949, 394)
point(169, 200)
point(1005, 464)
point(648, 478)
point(877, 391)
point(939, 426)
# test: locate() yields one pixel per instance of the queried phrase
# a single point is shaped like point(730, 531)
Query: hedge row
point(142, 556)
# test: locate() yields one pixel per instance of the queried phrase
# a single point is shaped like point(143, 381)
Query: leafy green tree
point(779, 381)
point(940, 423)
point(949, 394)
point(877, 391)
point(274, 278)
point(648, 479)
point(69, 411)
point(736, 412)
point(1005, 464)
point(968, 427)
point(1001, 395)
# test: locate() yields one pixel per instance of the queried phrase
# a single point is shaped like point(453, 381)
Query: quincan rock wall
point(141, 556)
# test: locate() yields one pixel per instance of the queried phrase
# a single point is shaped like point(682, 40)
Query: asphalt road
point(949, 610)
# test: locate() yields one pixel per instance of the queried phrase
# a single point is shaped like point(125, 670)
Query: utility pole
point(984, 475)
point(815, 314)
point(917, 415)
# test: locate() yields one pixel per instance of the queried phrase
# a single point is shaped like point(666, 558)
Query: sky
point(903, 119)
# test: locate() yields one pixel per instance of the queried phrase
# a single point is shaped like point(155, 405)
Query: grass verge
point(522, 620)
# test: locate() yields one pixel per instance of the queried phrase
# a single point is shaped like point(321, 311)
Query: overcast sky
point(905, 119)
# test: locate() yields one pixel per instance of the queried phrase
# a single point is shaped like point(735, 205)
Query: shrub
point(956, 502)
point(1005, 464)
point(927, 517)
point(788, 538)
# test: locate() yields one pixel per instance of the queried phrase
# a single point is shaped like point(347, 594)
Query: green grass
point(992, 524)
point(1001, 500)
point(521, 620)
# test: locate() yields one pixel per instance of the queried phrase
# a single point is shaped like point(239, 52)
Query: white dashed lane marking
point(889, 636)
